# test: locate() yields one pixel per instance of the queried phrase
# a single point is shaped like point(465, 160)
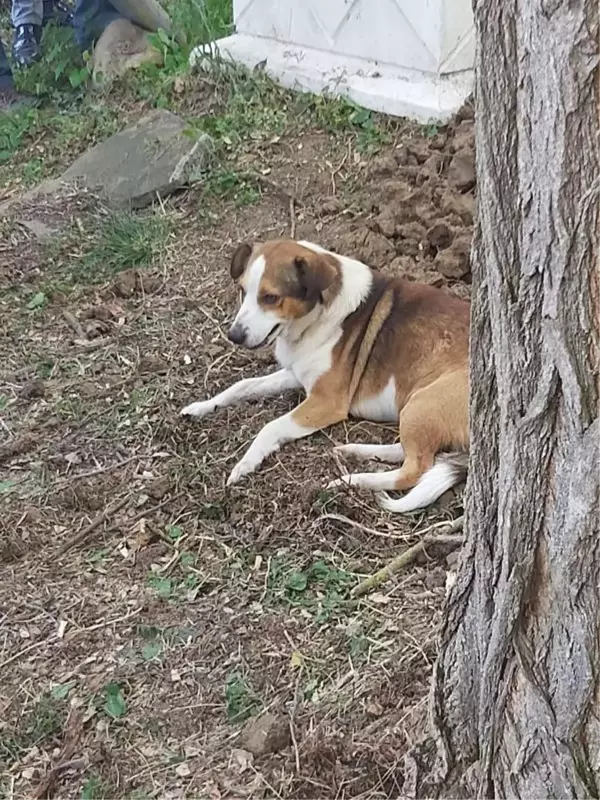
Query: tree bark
point(516, 695)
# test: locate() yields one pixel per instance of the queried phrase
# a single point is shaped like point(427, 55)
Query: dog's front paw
point(343, 481)
point(241, 469)
point(198, 410)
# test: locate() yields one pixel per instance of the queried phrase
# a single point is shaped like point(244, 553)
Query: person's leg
point(27, 12)
point(58, 12)
point(27, 17)
point(10, 99)
point(90, 18)
point(6, 79)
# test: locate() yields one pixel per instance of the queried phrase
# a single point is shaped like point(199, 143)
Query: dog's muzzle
point(239, 335)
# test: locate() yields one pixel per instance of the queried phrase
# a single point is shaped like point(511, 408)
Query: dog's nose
point(236, 334)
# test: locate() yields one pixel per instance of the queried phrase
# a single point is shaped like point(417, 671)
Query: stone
point(439, 236)
point(42, 232)
point(464, 137)
point(382, 167)
point(132, 168)
point(266, 734)
point(461, 172)
point(367, 246)
point(454, 262)
point(385, 224)
point(122, 46)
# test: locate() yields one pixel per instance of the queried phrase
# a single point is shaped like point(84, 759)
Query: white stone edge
point(380, 87)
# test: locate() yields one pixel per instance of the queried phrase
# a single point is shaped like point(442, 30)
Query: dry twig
point(95, 523)
point(401, 561)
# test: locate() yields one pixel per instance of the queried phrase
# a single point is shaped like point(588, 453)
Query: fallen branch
point(404, 559)
point(46, 785)
point(352, 523)
point(95, 523)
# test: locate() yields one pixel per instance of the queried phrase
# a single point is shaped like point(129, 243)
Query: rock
point(122, 46)
point(401, 267)
point(152, 158)
point(464, 137)
point(432, 167)
point(439, 141)
point(382, 167)
point(462, 205)
point(467, 110)
point(401, 155)
point(454, 262)
point(439, 236)
point(412, 231)
point(420, 150)
point(330, 207)
point(460, 290)
point(461, 172)
point(367, 246)
point(33, 388)
point(42, 232)
point(385, 224)
point(266, 734)
point(125, 283)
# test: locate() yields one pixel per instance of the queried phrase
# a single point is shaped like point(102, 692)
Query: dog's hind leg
point(268, 385)
point(435, 417)
point(387, 453)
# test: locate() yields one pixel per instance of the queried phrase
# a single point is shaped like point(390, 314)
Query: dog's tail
point(447, 470)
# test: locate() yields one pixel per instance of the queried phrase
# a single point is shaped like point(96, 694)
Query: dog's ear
point(239, 260)
point(315, 276)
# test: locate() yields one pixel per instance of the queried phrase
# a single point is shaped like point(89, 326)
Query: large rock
point(153, 157)
point(121, 47)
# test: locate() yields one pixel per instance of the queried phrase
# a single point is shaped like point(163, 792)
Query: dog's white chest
point(308, 362)
point(379, 407)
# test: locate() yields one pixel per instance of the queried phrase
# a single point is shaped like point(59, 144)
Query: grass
point(123, 240)
point(36, 729)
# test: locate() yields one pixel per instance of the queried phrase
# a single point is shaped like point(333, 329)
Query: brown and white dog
point(360, 344)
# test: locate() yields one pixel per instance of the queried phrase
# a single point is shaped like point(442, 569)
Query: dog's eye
point(269, 299)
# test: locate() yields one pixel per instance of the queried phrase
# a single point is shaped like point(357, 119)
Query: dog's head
point(280, 282)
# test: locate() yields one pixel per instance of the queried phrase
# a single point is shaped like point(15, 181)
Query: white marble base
point(401, 92)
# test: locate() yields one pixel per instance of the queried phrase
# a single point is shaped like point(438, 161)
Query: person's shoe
point(26, 45)
point(57, 12)
point(12, 100)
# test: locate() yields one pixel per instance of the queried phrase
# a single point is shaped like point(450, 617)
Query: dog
point(360, 344)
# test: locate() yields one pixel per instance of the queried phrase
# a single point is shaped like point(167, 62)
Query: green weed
point(240, 700)
point(95, 788)
point(61, 69)
point(40, 726)
point(321, 588)
point(122, 240)
point(226, 183)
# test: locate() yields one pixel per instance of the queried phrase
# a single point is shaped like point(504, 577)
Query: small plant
point(122, 241)
point(39, 727)
point(14, 129)
point(240, 701)
point(114, 702)
point(61, 68)
point(95, 788)
point(321, 589)
point(227, 183)
point(164, 587)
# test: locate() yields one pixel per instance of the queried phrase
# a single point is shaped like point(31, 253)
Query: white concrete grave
point(403, 57)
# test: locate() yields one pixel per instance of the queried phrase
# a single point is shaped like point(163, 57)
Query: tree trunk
point(516, 695)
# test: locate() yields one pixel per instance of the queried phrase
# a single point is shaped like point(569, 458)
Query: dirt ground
point(147, 613)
